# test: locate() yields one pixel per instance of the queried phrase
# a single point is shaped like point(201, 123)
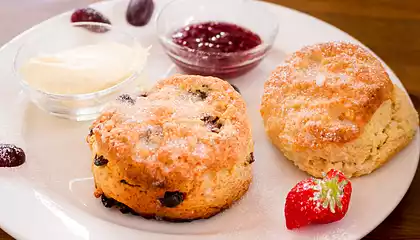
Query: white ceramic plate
point(50, 196)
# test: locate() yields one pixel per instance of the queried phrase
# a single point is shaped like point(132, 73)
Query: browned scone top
point(350, 85)
point(333, 106)
point(185, 126)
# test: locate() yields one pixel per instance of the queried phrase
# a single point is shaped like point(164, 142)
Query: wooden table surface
point(391, 28)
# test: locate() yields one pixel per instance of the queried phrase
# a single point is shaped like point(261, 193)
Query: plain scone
point(332, 105)
point(183, 151)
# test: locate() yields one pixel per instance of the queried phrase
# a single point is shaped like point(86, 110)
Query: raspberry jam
point(216, 37)
point(216, 48)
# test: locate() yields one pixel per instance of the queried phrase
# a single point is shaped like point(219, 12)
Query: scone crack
point(129, 184)
point(372, 156)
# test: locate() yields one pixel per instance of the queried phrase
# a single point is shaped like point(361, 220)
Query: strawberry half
point(318, 201)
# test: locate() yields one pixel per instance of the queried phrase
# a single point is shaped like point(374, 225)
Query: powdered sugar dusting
point(325, 93)
point(320, 79)
point(174, 127)
point(171, 110)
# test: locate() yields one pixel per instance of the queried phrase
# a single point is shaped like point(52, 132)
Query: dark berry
point(209, 119)
point(125, 98)
point(139, 12)
point(172, 199)
point(100, 161)
point(212, 123)
point(250, 159)
point(11, 155)
point(236, 88)
point(200, 94)
point(134, 213)
point(124, 209)
point(90, 132)
point(108, 202)
point(90, 15)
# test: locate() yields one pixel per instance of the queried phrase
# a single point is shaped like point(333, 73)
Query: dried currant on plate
point(11, 155)
point(139, 12)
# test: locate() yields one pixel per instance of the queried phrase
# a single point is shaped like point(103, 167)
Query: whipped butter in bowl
point(77, 75)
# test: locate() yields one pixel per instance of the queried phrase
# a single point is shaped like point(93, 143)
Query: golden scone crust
point(332, 105)
point(189, 135)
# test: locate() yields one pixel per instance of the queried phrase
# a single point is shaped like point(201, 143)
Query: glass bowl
point(251, 15)
point(78, 106)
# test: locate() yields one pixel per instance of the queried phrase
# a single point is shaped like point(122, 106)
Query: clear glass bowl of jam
point(218, 38)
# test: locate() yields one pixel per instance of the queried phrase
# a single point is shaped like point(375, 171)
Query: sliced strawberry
point(318, 201)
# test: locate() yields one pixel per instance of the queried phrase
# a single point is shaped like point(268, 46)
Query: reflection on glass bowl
point(73, 72)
